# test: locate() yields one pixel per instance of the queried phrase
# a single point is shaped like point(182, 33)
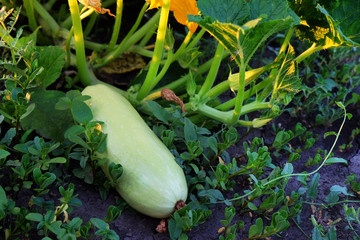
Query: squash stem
point(117, 25)
point(159, 45)
point(84, 73)
point(211, 76)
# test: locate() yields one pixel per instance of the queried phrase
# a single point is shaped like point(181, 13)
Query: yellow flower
point(181, 9)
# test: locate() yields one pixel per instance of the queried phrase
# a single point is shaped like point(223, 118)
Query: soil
point(132, 225)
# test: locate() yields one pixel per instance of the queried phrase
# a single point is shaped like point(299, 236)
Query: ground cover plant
point(253, 124)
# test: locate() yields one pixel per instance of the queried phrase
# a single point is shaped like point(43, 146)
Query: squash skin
point(152, 182)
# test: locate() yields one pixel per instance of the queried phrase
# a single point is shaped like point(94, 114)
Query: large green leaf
point(52, 59)
point(347, 16)
point(243, 41)
point(48, 121)
point(271, 10)
point(225, 11)
point(286, 79)
point(335, 37)
point(266, 18)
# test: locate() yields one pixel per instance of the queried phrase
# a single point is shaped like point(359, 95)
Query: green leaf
point(331, 133)
point(174, 229)
point(333, 160)
point(36, 217)
point(332, 197)
point(252, 206)
point(190, 131)
point(159, 112)
point(213, 194)
point(57, 160)
point(3, 153)
point(3, 199)
point(243, 41)
point(312, 191)
point(347, 16)
point(343, 190)
point(271, 10)
point(81, 112)
point(225, 11)
point(99, 223)
point(51, 123)
point(257, 228)
point(335, 37)
point(52, 59)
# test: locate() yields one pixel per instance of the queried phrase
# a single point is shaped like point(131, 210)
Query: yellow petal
point(181, 9)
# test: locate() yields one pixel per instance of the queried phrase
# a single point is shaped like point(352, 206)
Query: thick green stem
point(159, 45)
point(117, 25)
point(196, 39)
point(164, 69)
point(182, 81)
point(308, 52)
point(211, 76)
point(29, 7)
point(240, 93)
point(84, 73)
point(286, 41)
point(182, 46)
point(48, 19)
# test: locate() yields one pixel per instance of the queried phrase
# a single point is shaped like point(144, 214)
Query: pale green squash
point(152, 181)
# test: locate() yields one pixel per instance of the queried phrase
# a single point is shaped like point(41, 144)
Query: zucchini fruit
point(152, 182)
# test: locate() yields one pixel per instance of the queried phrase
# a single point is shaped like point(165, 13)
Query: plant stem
point(308, 52)
point(130, 39)
point(211, 76)
point(84, 74)
point(48, 19)
point(182, 46)
point(29, 8)
point(159, 45)
point(164, 69)
point(117, 25)
point(240, 93)
point(301, 230)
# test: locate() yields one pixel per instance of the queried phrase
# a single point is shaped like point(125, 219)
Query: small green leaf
point(174, 229)
point(340, 104)
point(257, 228)
point(343, 190)
point(57, 160)
point(312, 191)
point(333, 160)
point(332, 133)
point(99, 223)
point(81, 112)
point(36, 217)
point(3, 153)
point(52, 59)
point(252, 206)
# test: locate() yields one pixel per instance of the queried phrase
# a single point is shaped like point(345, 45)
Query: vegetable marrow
point(152, 182)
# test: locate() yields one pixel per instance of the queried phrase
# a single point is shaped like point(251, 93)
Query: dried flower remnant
point(169, 95)
point(96, 5)
point(162, 226)
point(181, 9)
